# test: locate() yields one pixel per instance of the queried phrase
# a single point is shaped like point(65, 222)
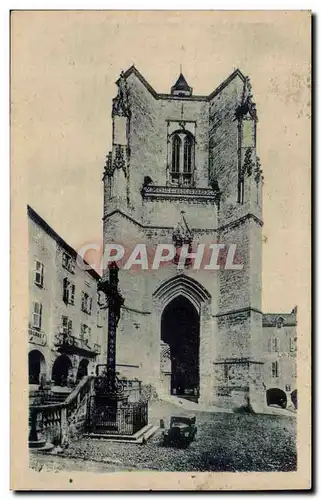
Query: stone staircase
point(59, 416)
point(139, 437)
point(56, 417)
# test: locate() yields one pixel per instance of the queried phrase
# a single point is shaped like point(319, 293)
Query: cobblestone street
point(224, 442)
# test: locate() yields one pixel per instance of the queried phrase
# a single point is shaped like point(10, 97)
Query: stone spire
point(181, 87)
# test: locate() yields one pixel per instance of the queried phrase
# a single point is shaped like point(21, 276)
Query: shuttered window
point(275, 369)
point(37, 315)
point(39, 271)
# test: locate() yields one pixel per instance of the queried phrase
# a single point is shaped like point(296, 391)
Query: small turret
point(181, 87)
point(116, 171)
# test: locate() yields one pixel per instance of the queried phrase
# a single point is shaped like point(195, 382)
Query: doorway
point(180, 329)
point(60, 370)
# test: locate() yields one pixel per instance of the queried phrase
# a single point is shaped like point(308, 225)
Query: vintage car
point(181, 432)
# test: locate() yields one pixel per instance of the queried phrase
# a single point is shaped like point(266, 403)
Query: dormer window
point(182, 159)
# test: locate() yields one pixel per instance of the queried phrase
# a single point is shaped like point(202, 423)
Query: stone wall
point(286, 358)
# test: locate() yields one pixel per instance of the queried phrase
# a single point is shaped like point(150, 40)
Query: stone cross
point(115, 301)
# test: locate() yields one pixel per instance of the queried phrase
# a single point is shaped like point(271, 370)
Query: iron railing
point(129, 418)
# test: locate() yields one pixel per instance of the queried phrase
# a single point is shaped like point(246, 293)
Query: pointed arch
point(182, 153)
point(185, 286)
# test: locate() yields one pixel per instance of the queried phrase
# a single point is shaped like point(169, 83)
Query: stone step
point(138, 438)
point(40, 446)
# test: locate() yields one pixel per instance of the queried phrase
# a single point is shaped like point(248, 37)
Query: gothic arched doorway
point(60, 370)
point(82, 369)
point(180, 330)
point(36, 365)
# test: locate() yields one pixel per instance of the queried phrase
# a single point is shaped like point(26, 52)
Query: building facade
point(183, 169)
point(67, 328)
point(280, 347)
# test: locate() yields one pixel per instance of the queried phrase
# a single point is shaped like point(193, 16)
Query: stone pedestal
point(106, 408)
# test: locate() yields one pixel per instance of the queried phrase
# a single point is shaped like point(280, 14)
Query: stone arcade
point(183, 169)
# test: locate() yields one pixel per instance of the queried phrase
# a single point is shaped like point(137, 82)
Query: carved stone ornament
point(119, 160)
point(247, 105)
point(182, 233)
point(165, 356)
point(258, 172)
point(109, 165)
point(118, 163)
point(121, 101)
point(248, 165)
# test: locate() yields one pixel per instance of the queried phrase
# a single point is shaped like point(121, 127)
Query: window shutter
point(34, 315)
point(37, 315)
point(39, 273)
point(65, 324)
point(64, 260)
point(275, 369)
point(72, 297)
point(65, 290)
point(90, 304)
point(292, 344)
point(69, 327)
point(40, 315)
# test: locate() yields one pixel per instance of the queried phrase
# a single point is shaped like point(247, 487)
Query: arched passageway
point(294, 398)
point(277, 397)
point(82, 369)
point(37, 366)
point(60, 370)
point(180, 329)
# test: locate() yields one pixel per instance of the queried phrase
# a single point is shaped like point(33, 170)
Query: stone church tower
point(183, 169)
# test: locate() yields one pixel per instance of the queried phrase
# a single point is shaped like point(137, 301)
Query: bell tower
point(183, 170)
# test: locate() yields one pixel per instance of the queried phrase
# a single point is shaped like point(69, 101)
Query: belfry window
point(182, 159)
point(188, 144)
point(176, 153)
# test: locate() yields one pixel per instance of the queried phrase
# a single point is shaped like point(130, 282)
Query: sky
point(63, 72)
